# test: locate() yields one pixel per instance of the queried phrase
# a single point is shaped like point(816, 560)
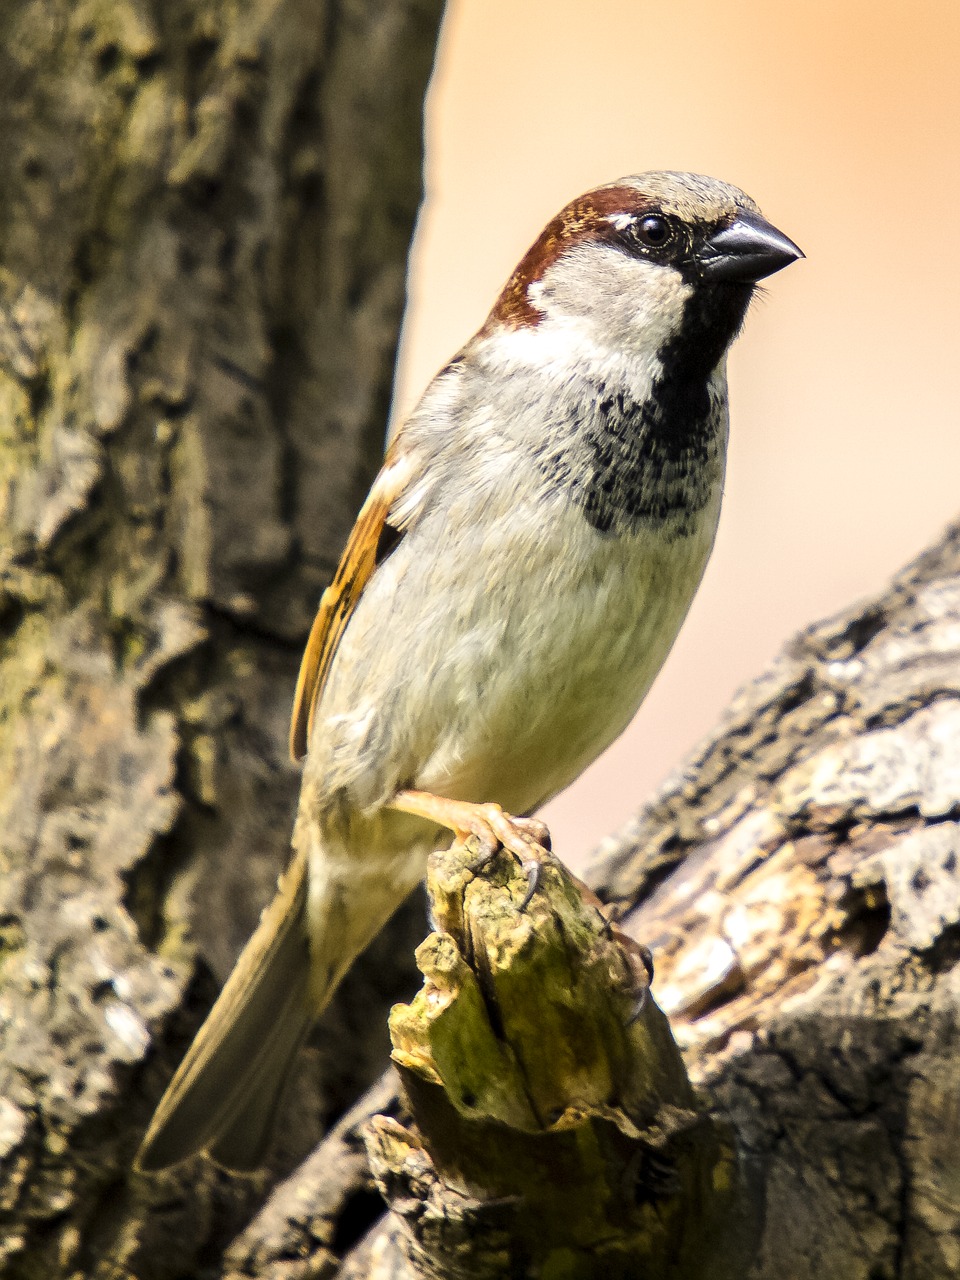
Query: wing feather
point(356, 567)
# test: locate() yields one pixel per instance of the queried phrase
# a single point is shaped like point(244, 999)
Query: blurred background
point(842, 119)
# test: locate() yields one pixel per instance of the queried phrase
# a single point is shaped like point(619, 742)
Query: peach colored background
point(843, 120)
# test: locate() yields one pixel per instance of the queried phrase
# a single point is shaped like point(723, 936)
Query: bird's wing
point(393, 500)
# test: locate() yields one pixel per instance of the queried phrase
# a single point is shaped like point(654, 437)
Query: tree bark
point(799, 883)
point(205, 211)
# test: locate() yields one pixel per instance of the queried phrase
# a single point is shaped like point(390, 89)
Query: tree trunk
point(799, 884)
point(205, 211)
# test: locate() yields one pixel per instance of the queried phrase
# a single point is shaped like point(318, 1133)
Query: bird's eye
point(653, 230)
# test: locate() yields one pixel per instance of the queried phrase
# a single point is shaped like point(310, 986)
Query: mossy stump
point(554, 1131)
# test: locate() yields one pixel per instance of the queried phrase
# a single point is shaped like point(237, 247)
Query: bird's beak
point(747, 250)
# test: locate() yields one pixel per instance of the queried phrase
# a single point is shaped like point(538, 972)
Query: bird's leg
point(526, 838)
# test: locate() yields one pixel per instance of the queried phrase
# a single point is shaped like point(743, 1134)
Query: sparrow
point(512, 585)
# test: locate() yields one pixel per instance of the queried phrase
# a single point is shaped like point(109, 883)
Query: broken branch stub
point(554, 1128)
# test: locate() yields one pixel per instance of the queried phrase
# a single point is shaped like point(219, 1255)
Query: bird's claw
point(484, 828)
point(638, 951)
point(534, 872)
point(646, 957)
point(639, 1004)
point(486, 849)
point(527, 839)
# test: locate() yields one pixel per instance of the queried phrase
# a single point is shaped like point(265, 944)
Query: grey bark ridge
point(799, 882)
point(205, 212)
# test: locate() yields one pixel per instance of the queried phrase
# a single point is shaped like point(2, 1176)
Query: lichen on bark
point(205, 211)
point(554, 1131)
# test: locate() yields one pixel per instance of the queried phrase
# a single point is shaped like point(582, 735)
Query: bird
point(509, 591)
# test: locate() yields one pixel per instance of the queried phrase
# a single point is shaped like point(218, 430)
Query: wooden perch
point(554, 1130)
point(799, 883)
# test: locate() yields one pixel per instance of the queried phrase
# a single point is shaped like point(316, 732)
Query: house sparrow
point(511, 587)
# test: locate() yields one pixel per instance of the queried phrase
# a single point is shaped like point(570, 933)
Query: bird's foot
point(638, 955)
point(640, 958)
point(526, 838)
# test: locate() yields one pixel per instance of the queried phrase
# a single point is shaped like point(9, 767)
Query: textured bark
point(205, 210)
point(799, 883)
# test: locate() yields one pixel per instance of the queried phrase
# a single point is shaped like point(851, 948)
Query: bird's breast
point(512, 634)
point(561, 655)
point(642, 462)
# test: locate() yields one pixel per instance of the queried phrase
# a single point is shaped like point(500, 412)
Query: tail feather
point(226, 1092)
point(243, 1140)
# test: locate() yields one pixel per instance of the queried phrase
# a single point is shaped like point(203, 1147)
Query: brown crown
point(586, 218)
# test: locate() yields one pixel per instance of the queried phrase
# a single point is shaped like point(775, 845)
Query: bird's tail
point(225, 1094)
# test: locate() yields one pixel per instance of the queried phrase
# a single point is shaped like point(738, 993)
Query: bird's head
point(650, 260)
